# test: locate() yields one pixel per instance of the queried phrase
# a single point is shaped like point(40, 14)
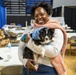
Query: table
point(71, 34)
point(10, 56)
point(29, 28)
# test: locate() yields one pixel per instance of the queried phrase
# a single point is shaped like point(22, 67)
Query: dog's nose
point(46, 37)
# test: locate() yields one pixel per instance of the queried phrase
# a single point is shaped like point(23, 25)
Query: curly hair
point(44, 5)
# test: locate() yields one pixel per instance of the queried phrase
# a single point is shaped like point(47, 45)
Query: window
point(16, 7)
point(29, 3)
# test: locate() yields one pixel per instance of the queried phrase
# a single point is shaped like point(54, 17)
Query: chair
point(72, 44)
point(12, 70)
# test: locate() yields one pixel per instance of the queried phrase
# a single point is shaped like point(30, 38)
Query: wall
point(2, 14)
point(19, 20)
point(57, 3)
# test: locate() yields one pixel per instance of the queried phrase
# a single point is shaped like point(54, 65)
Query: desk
point(22, 30)
point(12, 55)
point(29, 28)
point(16, 31)
point(71, 34)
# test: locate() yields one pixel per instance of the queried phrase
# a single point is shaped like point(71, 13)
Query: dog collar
point(46, 43)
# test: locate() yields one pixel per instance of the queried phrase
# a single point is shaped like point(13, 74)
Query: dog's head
point(45, 35)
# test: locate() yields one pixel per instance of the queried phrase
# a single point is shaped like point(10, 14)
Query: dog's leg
point(35, 59)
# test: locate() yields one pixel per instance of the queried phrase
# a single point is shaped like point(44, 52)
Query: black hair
point(44, 5)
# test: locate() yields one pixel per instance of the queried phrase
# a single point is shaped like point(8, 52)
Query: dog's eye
point(43, 34)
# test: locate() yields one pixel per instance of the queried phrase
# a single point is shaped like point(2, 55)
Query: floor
point(70, 63)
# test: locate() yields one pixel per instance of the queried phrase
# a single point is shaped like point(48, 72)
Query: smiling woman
point(51, 63)
point(41, 13)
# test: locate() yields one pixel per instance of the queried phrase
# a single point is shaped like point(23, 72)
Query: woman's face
point(41, 16)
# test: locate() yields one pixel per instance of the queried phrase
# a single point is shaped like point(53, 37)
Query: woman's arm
point(20, 52)
point(26, 62)
point(52, 49)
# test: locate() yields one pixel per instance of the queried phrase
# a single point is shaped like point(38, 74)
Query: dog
point(44, 37)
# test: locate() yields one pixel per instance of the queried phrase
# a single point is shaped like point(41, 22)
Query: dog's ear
point(53, 30)
point(41, 31)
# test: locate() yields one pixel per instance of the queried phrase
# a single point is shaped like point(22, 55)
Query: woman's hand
point(27, 38)
point(30, 65)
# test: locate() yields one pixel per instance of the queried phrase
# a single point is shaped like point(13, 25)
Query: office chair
point(72, 44)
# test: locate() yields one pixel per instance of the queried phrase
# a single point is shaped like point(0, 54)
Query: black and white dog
point(44, 38)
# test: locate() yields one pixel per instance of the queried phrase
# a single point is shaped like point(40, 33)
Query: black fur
point(28, 54)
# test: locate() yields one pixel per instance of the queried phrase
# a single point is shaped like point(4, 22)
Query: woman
point(41, 13)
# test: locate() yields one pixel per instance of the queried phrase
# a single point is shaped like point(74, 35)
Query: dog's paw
point(42, 53)
point(42, 50)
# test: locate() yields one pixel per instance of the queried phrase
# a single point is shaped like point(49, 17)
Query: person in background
point(41, 12)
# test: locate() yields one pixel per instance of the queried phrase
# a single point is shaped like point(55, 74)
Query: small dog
point(44, 38)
